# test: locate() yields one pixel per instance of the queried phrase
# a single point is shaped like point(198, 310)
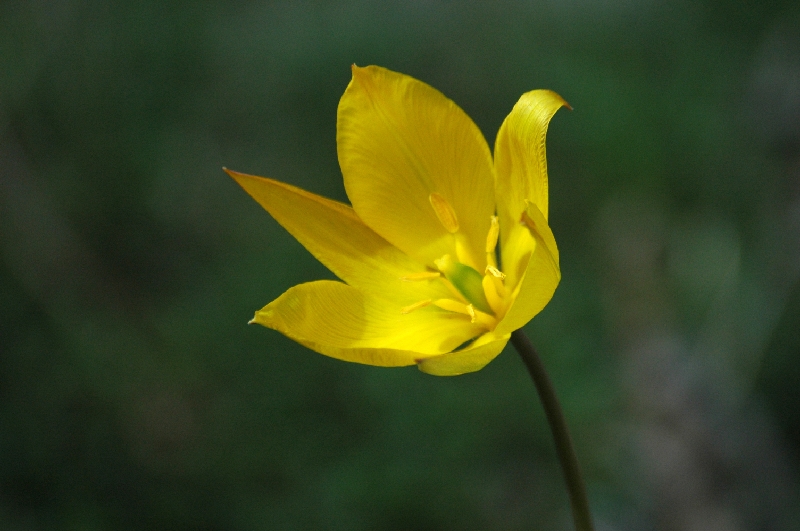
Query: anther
point(445, 213)
point(416, 306)
point(491, 270)
point(471, 310)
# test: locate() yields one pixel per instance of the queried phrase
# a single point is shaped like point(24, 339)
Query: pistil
point(466, 280)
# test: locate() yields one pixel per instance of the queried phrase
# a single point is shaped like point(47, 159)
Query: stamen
point(424, 275)
point(499, 287)
point(495, 291)
point(451, 306)
point(491, 270)
point(416, 306)
point(445, 213)
point(468, 310)
point(471, 310)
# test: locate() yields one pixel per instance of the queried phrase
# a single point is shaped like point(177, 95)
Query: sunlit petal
point(338, 320)
point(400, 141)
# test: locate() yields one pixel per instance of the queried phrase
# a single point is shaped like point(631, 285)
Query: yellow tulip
point(417, 251)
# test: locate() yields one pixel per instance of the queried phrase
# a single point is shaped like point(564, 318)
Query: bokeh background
point(134, 396)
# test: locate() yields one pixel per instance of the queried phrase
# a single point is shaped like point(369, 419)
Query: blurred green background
point(134, 396)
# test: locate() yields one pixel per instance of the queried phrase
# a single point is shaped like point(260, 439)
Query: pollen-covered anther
point(424, 275)
point(471, 310)
point(496, 273)
point(416, 306)
point(444, 211)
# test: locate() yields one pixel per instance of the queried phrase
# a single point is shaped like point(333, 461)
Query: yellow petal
point(534, 220)
point(519, 158)
point(471, 359)
point(400, 141)
point(335, 235)
point(338, 320)
point(541, 274)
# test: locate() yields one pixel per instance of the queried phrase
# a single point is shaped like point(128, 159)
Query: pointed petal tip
point(234, 174)
point(358, 71)
point(264, 316)
point(365, 76)
point(242, 178)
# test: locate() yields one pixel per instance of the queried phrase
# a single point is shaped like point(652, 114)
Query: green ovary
point(466, 280)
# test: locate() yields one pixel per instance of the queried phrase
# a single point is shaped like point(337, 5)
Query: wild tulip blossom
point(423, 279)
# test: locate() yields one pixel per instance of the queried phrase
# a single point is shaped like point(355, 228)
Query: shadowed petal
point(338, 320)
point(471, 359)
point(541, 275)
point(400, 141)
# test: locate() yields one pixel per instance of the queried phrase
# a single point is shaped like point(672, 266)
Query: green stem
point(555, 417)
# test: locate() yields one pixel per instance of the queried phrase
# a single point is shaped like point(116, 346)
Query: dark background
point(134, 396)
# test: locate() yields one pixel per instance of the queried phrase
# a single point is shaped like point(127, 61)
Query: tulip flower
point(445, 250)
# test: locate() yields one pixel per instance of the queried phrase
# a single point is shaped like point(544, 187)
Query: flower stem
point(576, 487)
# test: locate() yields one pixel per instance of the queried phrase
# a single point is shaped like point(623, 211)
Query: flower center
point(466, 280)
point(479, 296)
